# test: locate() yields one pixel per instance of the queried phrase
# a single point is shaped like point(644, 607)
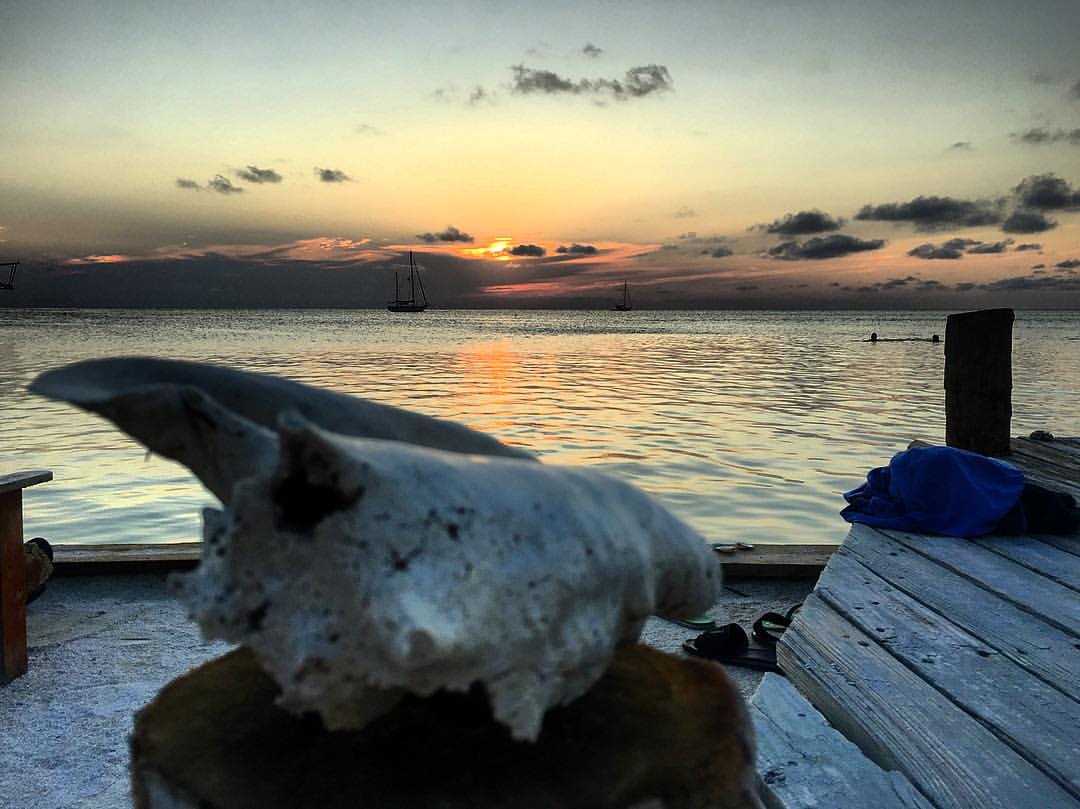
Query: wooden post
point(13, 573)
point(12, 588)
point(978, 380)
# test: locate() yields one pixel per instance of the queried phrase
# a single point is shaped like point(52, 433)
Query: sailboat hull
point(406, 307)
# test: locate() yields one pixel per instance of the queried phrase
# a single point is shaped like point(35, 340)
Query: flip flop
point(698, 622)
point(729, 644)
point(770, 626)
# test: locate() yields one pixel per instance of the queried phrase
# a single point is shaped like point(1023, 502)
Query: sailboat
point(409, 304)
point(625, 306)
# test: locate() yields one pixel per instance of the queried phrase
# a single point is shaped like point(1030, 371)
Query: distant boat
point(11, 267)
point(409, 304)
point(625, 306)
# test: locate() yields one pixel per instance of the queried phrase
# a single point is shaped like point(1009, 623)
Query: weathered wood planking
point(1062, 543)
point(803, 763)
point(901, 722)
point(1041, 723)
point(1062, 567)
point(17, 481)
point(763, 560)
point(1050, 453)
point(1029, 590)
point(1026, 639)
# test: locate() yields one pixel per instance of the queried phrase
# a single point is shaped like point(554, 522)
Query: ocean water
point(748, 425)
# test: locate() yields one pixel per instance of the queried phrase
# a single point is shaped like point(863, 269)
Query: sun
point(496, 250)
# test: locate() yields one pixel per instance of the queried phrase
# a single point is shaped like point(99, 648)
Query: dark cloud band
point(822, 247)
point(934, 213)
point(803, 223)
point(637, 82)
point(451, 234)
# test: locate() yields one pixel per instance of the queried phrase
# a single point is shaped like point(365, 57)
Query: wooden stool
point(13, 573)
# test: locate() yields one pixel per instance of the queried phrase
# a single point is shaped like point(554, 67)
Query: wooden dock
point(928, 671)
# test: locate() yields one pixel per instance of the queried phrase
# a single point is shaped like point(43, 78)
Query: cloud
point(991, 247)
point(821, 247)
point(332, 175)
point(934, 213)
point(690, 234)
point(577, 249)
point(451, 234)
point(479, 95)
point(720, 252)
point(685, 212)
point(1037, 266)
point(591, 50)
point(253, 174)
point(182, 182)
point(1068, 264)
point(803, 223)
point(1074, 91)
point(223, 185)
point(929, 251)
point(1047, 192)
point(1031, 282)
point(960, 244)
point(1027, 222)
point(637, 82)
point(961, 146)
point(1027, 246)
point(1039, 135)
point(527, 250)
point(368, 129)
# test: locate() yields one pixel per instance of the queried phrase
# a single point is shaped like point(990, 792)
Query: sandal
point(729, 644)
point(770, 626)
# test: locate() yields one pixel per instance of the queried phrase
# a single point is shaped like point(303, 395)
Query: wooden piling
point(978, 380)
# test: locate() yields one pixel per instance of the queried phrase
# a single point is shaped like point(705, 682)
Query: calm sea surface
point(749, 425)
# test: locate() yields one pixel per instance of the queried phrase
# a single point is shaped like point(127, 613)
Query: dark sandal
point(770, 626)
point(729, 644)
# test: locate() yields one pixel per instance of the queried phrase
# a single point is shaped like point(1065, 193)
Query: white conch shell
point(360, 569)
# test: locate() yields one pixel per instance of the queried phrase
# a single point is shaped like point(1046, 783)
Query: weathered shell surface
point(361, 569)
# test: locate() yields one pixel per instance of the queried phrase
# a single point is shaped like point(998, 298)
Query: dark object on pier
point(653, 727)
point(978, 380)
point(11, 266)
point(1041, 435)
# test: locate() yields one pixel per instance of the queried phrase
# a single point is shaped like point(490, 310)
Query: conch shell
point(366, 552)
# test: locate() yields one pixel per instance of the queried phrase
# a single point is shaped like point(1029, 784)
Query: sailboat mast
point(412, 280)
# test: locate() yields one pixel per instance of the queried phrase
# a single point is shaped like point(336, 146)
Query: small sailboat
point(409, 304)
point(10, 266)
point(625, 306)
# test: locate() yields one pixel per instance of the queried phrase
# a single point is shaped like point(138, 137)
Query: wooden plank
point(901, 722)
point(1062, 543)
point(12, 587)
point(1054, 453)
point(777, 560)
point(20, 480)
point(1062, 567)
point(1024, 638)
point(763, 560)
point(803, 763)
point(170, 551)
point(1029, 590)
point(1041, 723)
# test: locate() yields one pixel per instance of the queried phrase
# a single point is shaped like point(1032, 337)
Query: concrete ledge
point(762, 561)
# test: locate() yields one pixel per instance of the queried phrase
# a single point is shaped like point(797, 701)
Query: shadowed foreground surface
point(101, 647)
point(655, 726)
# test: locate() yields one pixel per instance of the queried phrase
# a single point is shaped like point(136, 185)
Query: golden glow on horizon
point(496, 250)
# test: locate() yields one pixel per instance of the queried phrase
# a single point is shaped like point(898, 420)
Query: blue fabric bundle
point(940, 490)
